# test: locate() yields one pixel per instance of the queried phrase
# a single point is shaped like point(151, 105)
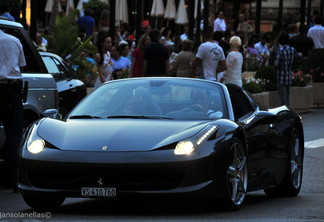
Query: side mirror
point(51, 113)
point(266, 117)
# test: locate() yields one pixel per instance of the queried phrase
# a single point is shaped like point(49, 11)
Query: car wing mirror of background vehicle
point(51, 113)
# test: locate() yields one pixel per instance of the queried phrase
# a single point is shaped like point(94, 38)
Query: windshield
point(156, 98)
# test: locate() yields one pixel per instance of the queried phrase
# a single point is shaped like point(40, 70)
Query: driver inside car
point(201, 101)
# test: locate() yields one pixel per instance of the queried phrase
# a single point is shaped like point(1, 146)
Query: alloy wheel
point(237, 174)
point(296, 162)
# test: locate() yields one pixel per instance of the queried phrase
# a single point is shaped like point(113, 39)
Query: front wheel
point(43, 201)
point(236, 176)
point(292, 181)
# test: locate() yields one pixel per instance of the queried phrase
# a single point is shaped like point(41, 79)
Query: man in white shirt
point(184, 36)
point(210, 56)
point(11, 107)
point(219, 23)
point(317, 33)
point(262, 48)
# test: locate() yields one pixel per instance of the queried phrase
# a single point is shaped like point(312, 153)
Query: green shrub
point(268, 76)
point(64, 41)
point(314, 65)
point(251, 64)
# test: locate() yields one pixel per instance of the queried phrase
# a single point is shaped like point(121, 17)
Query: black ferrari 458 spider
point(164, 136)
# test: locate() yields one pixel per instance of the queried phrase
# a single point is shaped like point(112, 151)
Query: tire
point(43, 201)
point(236, 177)
point(291, 184)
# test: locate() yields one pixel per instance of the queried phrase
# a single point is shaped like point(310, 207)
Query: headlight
point(35, 144)
point(186, 147)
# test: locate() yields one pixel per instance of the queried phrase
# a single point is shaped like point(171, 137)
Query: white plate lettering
point(98, 192)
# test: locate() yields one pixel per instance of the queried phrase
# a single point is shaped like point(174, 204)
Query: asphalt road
point(308, 206)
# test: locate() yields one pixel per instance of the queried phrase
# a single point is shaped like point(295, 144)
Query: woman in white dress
point(104, 60)
point(234, 61)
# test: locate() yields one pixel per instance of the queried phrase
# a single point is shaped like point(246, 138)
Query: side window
point(62, 68)
point(241, 104)
point(55, 68)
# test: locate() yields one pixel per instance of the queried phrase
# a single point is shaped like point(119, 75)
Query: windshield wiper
point(84, 117)
point(138, 117)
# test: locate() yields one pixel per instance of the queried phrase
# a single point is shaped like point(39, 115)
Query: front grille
point(131, 180)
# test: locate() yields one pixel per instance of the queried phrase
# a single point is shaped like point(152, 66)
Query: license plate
point(98, 192)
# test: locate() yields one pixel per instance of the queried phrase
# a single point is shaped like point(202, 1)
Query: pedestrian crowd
point(221, 55)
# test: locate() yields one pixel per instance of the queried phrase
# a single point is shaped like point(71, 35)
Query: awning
point(201, 7)
point(69, 6)
point(121, 12)
point(182, 17)
point(80, 6)
point(170, 11)
point(50, 4)
point(157, 8)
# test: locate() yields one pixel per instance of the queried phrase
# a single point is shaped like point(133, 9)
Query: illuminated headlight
point(206, 135)
point(35, 144)
point(184, 148)
point(188, 146)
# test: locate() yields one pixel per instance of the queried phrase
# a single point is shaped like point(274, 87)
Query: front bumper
point(153, 172)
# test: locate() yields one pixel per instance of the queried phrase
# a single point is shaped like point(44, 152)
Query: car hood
point(116, 134)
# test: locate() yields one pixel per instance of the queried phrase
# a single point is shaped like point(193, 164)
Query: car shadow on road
point(155, 206)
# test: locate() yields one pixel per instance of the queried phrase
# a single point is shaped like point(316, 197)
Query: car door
point(71, 91)
point(262, 138)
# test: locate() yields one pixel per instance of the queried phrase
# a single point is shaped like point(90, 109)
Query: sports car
point(163, 136)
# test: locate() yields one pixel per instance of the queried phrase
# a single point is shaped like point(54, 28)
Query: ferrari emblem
point(104, 148)
point(100, 182)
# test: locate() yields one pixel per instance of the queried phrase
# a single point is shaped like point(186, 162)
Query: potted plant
point(256, 87)
point(253, 85)
point(301, 93)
